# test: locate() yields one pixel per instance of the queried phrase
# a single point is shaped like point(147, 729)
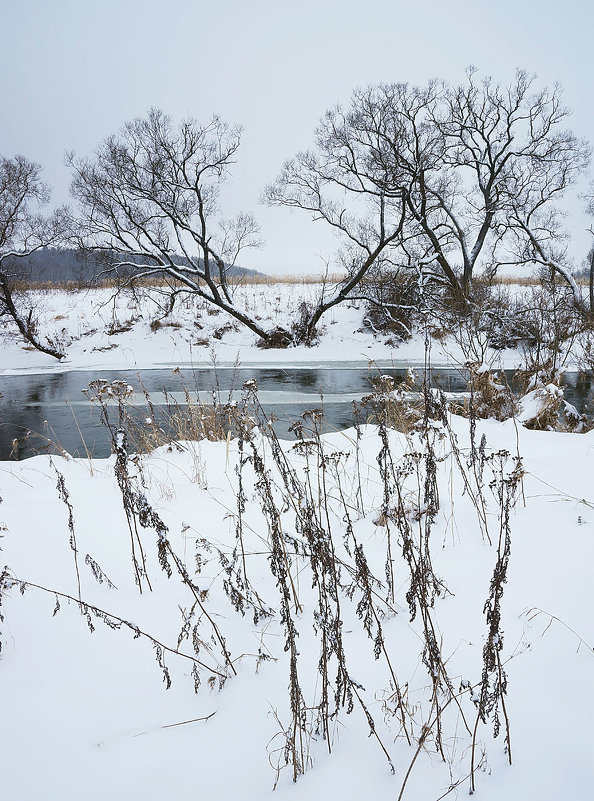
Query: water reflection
point(54, 407)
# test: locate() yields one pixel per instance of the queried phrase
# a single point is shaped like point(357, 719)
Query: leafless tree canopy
point(444, 179)
point(150, 197)
point(440, 182)
point(23, 229)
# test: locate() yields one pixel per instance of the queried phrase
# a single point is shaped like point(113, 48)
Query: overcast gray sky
point(74, 70)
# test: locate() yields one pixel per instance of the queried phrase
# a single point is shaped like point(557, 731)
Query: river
point(54, 408)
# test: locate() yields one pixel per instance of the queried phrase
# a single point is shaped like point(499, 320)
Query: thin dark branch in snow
point(109, 618)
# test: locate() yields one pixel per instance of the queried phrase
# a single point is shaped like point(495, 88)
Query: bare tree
point(339, 182)
point(22, 231)
point(449, 180)
point(589, 198)
point(149, 201)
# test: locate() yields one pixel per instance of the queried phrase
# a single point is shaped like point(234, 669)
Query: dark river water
point(54, 409)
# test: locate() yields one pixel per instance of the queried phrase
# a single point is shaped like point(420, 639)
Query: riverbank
point(362, 611)
point(93, 715)
point(99, 331)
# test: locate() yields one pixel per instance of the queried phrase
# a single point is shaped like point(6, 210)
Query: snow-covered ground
point(97, 330)
point(88, 715)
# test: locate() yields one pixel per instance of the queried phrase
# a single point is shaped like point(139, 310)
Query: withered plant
point(307, 513)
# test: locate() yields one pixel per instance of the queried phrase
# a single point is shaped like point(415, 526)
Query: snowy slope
point(99, 331)
point(87, 715)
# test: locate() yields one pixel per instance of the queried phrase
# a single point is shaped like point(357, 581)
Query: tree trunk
point(25, 327)
point(592, 281)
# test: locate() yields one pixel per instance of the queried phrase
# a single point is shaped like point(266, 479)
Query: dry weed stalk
point(315, 513)
point(493, 689)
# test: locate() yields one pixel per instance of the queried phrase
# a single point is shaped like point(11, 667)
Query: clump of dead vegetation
point(317, 509)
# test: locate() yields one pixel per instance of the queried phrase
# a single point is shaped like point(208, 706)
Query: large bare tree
point(338, 182)
point(447, 179)
point(23, 229)
point(149, 200)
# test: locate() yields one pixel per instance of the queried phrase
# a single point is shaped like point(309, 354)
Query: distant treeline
point(59, 265)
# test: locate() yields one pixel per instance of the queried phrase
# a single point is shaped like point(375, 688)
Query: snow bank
point(90, 716)
point(98, 331)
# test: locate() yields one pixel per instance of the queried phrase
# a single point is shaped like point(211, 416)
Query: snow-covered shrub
point(392, 298)
point(394, 405)
point(490, 394)
point(539, 408)
point(555, 325)
point(544, 408)
point(509, 324)
point(474, 323)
